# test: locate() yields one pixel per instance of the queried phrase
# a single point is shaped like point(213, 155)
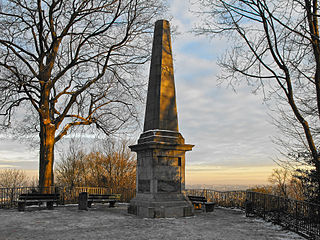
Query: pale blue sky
point(231, 131)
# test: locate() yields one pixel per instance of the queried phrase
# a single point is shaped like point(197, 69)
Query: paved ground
point(101, 222)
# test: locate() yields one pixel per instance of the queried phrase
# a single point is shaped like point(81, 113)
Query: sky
point(231, 130)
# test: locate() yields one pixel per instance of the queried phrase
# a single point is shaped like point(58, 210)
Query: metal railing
point(10, 196)
point(299, 216)
point(223, 199)
point(68, 195)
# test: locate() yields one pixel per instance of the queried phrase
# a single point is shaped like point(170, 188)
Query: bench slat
point(28, 199)
point(197, 199)
point(37, 198)
point(103, 198)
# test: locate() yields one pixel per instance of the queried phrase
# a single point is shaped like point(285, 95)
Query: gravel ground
point(101, 222)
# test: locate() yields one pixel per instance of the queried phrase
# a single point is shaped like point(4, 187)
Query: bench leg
point(197, 206)
point(209, 207)
point(89, 204)
point(21, 206)
point(50, 205)
point(112, 203)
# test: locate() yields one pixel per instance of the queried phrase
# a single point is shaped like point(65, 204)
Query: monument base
point(160, 206)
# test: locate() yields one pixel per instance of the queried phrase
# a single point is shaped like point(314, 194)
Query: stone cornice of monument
point(161, 117)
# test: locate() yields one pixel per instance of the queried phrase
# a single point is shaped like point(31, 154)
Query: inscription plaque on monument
point(168, 186)
point(161, 148)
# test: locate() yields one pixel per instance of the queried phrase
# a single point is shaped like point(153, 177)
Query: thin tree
point(112, 165)
point(275, 47)
point(118, 164)
point(72, 168)
point(13, 178)
point(74, 63)
point(280, 178)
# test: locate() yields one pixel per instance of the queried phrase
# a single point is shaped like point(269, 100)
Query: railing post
point(63, 195)
point(318, 220)
point(253, 201)
point(296, 216)
point(278, 209)
point(264, 206)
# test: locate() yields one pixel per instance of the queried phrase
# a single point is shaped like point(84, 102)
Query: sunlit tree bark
point(75, 62)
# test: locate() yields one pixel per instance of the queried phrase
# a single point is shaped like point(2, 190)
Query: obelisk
point(160, 181)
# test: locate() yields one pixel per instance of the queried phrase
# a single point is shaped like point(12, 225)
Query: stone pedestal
point(161, 175)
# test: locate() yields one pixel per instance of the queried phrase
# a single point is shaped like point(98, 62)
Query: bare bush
point(112, 166)
point(12, 178)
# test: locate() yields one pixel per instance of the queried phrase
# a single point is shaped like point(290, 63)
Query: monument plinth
point(161, 148)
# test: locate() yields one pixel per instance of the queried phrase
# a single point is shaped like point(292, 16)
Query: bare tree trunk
point(47, 134)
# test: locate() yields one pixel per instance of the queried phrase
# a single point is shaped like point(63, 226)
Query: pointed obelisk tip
point(161, 110)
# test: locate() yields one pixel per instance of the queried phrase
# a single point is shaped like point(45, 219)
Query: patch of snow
point(102, 222)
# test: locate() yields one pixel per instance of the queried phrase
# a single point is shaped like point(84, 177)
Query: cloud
point(231, 131)
point(17, 155)
point(228, 128)
point(6, 166)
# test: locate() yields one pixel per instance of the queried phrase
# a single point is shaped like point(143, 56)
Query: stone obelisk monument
point(161, 148)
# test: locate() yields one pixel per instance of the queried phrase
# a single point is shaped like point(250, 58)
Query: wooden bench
point(29, 199)
point(103, 198)
point(199, 201)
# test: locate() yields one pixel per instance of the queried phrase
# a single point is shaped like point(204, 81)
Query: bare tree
point(275, 48)
point(72, 169)
point(298, 190)
point(117, 164)
point(284, 183)
point(75, 63)
point(280, 178)
point(13, 178)
point(113, 165)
